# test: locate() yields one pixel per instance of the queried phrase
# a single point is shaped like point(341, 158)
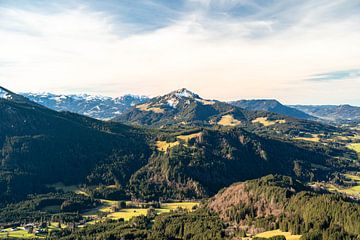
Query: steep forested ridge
point(40, 146)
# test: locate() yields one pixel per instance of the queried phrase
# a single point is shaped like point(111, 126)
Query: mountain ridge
point(271, 105)
point(96, 106)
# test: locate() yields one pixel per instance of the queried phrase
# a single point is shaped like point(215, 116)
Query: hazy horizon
point(296, 52)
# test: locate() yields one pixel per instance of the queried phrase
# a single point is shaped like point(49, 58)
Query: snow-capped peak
point(183, 92)
point(5, 94)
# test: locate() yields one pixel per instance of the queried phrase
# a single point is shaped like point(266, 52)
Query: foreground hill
point(274, 202)
point(240, 211)
point(332, 113)
point(271, 106)
point(93, 106)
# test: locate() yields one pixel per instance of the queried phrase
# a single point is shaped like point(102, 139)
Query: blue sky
point(294, 51)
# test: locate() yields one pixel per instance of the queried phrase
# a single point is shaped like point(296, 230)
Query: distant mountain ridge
point(182, 107)
point(333, 113)
point(99, 107)
point(271, 105)
point(185, 108)
point(105, 108)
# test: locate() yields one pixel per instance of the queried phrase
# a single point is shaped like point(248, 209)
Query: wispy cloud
point(246, 48)
point(336, 75)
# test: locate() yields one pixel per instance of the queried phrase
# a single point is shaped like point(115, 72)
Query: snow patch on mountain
point(5, 94)
point(96, 106)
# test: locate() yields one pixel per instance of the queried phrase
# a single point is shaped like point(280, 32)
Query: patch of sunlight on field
point(352, 177)
point(18, 234)
point(278, 232)
point(355, 147)
point(128, 213)
point(265, 122)
point(228, 120)
point(314, 138)
point(186, 138)
point(355, 190)
point(163, 146)
point(55, 226)
point(186, 205)
point(147, 107)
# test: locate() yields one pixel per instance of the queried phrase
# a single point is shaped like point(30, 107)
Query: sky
point(299, 52)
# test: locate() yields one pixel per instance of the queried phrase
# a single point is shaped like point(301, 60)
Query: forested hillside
point(274, 202)
point(40, 146)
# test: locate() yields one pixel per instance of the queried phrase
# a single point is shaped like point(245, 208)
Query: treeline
point(200, 224)
point(60, 207)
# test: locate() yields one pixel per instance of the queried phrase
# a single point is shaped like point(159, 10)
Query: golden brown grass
point(175, 205)
point(186, 138)
point(313, 138)
point(278, 232)
point(128, 213)
point(163, 146)
point(355, 147)
point(265, 122)
point(147, 107)
point(17, 234)
point(229, 120)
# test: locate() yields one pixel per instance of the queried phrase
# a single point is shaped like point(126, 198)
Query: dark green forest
point(121, 161)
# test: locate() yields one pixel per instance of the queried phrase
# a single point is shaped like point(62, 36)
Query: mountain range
point(106, 108)
point(174, 147)
point(272, 105)
point(181, 159)
point(99, 107)
point(332, 113)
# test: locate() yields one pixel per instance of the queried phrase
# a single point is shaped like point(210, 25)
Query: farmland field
point(354, 190)
point(313, 138)
point(265, 122)
point(162, 146)
point(273, 233)
point(229, 120)
point(17, 234)
point(128, 213)
point(355, 147)
point(186, 205)
point(107, 208)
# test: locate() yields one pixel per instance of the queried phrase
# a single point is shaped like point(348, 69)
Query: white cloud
point(82, 50)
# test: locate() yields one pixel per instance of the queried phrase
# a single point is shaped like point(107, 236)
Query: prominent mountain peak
point(184, 93)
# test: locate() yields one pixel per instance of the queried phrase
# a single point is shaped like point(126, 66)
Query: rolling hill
point(271, 105)
point(280, 202)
